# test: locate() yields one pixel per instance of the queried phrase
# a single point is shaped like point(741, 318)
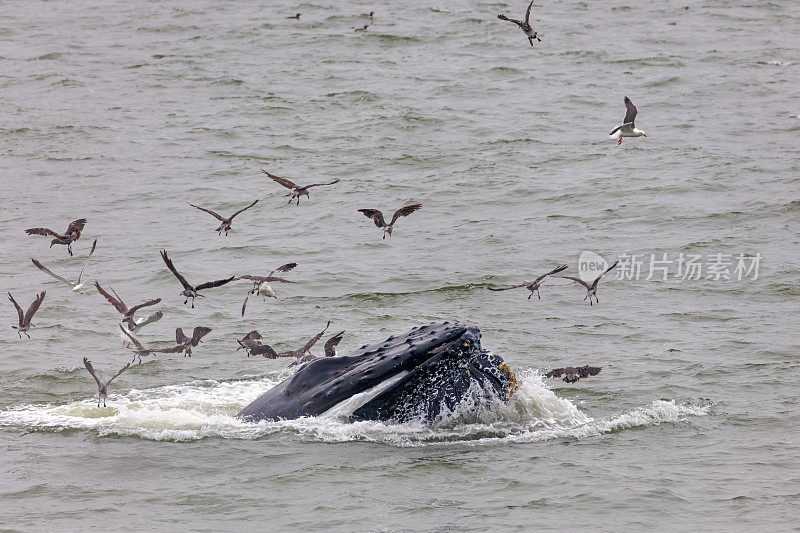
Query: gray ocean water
point(124, 112)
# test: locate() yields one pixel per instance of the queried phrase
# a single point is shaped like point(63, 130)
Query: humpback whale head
point(418, 375)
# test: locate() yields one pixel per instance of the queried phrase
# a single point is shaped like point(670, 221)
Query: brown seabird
point(525, 25)
point(72, 234)
point(25, 318)
point(226, 222)
point(377, 217)
point(261, 284)
point(297, 190)
point(126, 312)
point(591, 289)
point(532, 285)
point(185, 344)
point(269, 353)
point(188, 290)
point(572, 374)
point(102, 388)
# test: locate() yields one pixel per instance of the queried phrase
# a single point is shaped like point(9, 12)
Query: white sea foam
point(203, 409)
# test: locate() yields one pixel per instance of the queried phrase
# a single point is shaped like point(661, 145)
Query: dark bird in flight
point(591, 289)
point(297, 190)
point(249, 342)
point(185, 344)
point(330, 349)
point(126, 312)
point(532, 285)
point(261, 284)
point(102, 388)
point(72, 234)
point(138, 349)
point(78, 287)
point(524, 26)
point(188, 290)
point(25, 318)
point(572, 374)
point(296, 16)
point(226, 222)
point(627, 129)
point(377, 217)
point(267, 351)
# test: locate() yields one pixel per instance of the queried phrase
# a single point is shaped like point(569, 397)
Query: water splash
point(207, 409)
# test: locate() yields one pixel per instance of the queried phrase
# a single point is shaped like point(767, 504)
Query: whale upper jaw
point(438, 363)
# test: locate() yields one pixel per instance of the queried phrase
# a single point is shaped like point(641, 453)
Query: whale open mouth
point(432, 368)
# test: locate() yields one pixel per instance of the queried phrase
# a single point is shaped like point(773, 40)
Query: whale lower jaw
point(413, 376)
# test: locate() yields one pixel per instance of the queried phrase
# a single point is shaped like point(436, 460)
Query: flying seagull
point(75, 287)
point(572, 374)
point(267, 351)
point(377, 217)
point(102, 388)
point(524, 26)
point(532, 285)
point(591, 290)
point(330, 349)
point(25, 318)
point(297, 190)
point(226, 222)
point(249, 342)
point(138, 349)
point(188, 290)
point(126, 312)
point(628, 129)
point(261, 284)
point(185, 344)
point(72, 234)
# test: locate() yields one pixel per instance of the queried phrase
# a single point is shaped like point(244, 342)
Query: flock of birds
point(251, 342)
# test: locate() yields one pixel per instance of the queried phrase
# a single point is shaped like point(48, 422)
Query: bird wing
point(180, 337)
point(579, 280)
point(314, 339)
point(281, 280)
point(155, 317)
point(41, 231)
point(554, 271)
point(404, 212)
point(528, 13)
point(244, 305)
point(586, 371)
point(33, 307)
point(212, 284)
point(630, 113)
point(148, 303)
point(283, 268)
point(198, 333)
point(555, 373)
point(170, 266)
point(265, 350)
point(243, 209)
point(19, 309)
point(320, 184)
point(289, 184)
point(133, 339)
point(118, 305)
point(262, 279)
point(94, 245)
point(375, 215)
point(76, 227)
point(609, 269)
point(115, 376)
point(49, 272)
point(615, 130)
point(506, 288)
point(90, 368)
point(503, 17)
point(331, 343)
point(209, 211)
point(174, 349)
